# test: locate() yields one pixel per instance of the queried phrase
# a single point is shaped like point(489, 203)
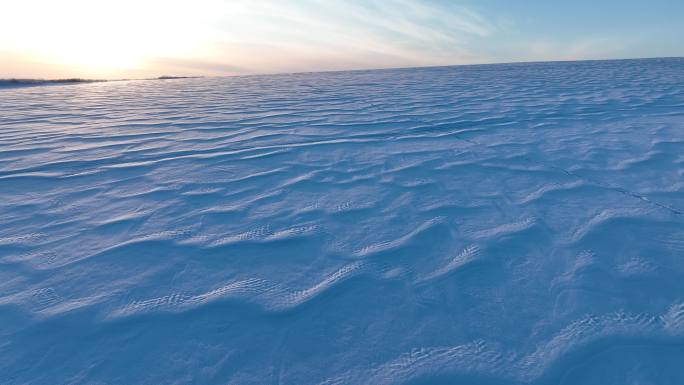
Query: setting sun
point(101, 39)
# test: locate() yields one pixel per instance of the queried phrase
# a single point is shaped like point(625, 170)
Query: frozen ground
point(507, 224)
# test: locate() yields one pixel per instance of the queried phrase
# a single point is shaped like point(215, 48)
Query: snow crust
point(504, 224)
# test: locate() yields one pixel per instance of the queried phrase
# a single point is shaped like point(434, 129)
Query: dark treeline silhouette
point(17, 82)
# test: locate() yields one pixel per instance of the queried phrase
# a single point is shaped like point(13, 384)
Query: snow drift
point(503, 224)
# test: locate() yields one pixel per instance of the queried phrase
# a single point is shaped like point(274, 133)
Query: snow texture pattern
point(500, 224)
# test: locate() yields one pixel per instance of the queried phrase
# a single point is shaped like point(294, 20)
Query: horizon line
point(77, 80)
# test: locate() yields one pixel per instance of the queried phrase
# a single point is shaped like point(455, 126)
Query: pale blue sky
point(135, 38)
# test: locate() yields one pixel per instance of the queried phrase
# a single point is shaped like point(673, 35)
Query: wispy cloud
point(272, 36)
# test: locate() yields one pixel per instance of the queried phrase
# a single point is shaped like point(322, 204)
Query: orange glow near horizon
point(96, 39)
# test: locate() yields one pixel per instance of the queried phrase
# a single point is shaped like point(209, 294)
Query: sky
point(111, 39)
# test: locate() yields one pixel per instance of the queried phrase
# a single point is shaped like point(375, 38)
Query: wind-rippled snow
point(505, 224)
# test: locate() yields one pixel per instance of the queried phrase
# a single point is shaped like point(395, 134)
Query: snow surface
point(505, 224)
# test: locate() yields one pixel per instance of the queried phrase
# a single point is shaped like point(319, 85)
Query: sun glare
point(99, 39)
